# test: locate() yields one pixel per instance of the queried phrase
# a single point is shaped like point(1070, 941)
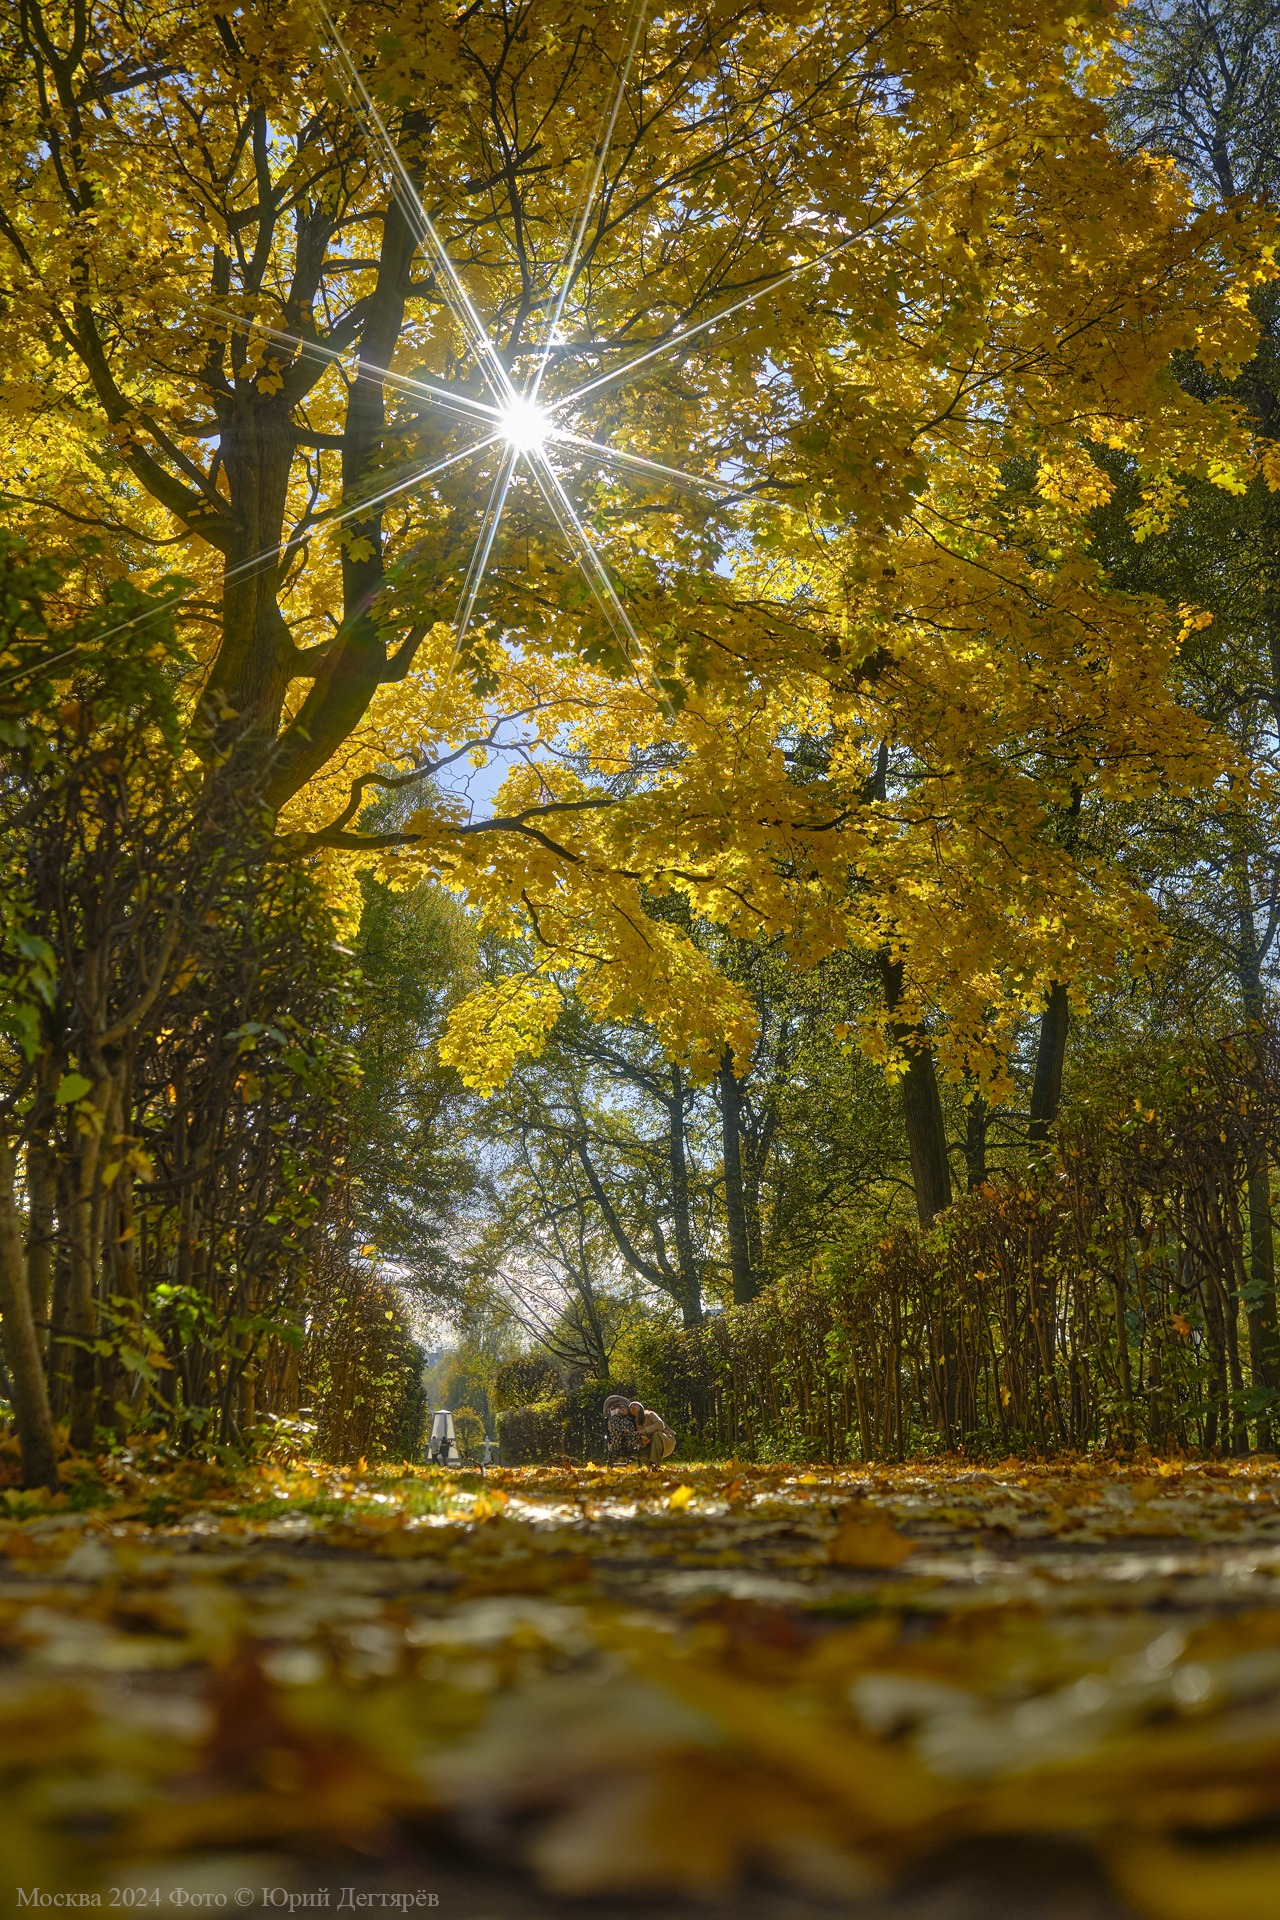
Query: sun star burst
point(516, 422)
point(517, 415)
point(524, 426)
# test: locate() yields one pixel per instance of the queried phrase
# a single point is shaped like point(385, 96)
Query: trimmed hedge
point(566, 1425)
point(527, 1381)
point(531, 1436)
point(468, 1429)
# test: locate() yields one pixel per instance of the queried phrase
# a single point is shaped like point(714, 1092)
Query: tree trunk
point(751, 1208)
point(250, 677)
point(21, 1343)
point(691, 1278)
point(1231, 1323)
point(59, 1352)
point(1224, 1276)
point(84, 1250)
point(1260, 1289)
point(1260, 1296)
point(975, 1142)
point(745, 1287)
point(1120, 1288)
point(357, 663)
point(1215, 1336)
point(1046, 1087)
point(921, 1107)
point(41, 1190)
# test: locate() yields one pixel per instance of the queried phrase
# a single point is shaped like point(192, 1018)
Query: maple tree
point(862, 645)
point(857, 259)
point(603, 1125)
point(828, 307)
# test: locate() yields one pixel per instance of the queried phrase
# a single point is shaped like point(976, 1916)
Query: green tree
point(1205, 90)
point(412, 1161)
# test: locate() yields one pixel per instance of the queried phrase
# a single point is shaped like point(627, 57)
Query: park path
point(932, 1692)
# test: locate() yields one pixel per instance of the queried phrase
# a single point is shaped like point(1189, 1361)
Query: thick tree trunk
point(21, 1342)
point(250, 676)
point(745, 1287)
point(1046, 1087)
point(926, 1136)
point(357, 664)
point(921, 1107)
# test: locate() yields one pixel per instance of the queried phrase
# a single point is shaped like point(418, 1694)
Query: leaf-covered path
point(919, 1691)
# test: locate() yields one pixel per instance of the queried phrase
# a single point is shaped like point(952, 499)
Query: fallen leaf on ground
point(639, 1684)
point(867, 1539)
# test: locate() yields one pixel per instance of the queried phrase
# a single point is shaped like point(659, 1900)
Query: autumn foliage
point(885, 309)
point(613, 624)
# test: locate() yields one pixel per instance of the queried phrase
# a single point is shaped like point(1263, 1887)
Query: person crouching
point(655, 1436)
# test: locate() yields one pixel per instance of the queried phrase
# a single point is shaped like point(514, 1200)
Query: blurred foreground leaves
point(619, 1681)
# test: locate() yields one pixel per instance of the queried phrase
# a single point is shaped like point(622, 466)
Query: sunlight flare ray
point(484, 545)
point(531, 431)
point(596, 573)
point(260, 561)
point(588, 201)
point(603, 451)
point(623, 372)
point(420, 222)
point(448, 398)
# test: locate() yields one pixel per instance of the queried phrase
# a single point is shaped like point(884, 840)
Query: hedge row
point(531, 1436)
point(1104, 1302)
point(564, 1426)
point(1108, 1298)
